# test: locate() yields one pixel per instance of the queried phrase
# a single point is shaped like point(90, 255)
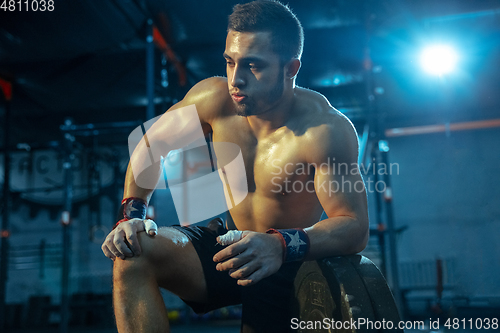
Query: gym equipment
point(333, 293)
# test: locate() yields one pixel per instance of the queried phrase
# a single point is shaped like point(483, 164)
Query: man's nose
point(238, 79)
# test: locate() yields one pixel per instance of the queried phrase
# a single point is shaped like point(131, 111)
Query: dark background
point(86, 60)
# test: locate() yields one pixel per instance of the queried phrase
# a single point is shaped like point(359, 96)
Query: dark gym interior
point(419, 79)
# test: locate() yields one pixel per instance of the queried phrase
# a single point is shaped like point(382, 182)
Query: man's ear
point(292, 68)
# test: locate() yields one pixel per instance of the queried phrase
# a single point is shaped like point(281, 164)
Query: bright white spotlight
point(438, 59)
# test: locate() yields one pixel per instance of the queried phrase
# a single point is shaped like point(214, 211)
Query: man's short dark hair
point(287, 35)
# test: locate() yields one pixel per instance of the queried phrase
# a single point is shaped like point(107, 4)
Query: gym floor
point(229, 326)
point(233, 327)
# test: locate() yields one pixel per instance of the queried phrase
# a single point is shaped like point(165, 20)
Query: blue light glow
point(438, 59)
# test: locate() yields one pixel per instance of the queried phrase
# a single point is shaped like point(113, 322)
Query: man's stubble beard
point(249, 108)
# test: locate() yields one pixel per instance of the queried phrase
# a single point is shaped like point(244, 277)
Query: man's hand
point(122, 242)
point(255, 256)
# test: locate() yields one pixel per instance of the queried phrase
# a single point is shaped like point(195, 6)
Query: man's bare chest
point(271, 162)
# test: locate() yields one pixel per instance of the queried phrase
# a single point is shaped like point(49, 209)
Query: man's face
point(254, 72)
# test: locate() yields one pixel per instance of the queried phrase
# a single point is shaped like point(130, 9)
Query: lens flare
point(439, 59)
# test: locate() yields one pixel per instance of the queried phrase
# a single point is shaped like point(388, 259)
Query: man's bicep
point(338, 182)
point(340, 194)
point(202, 109)
point(178, 128)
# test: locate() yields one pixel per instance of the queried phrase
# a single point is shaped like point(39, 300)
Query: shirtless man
point(278, 126)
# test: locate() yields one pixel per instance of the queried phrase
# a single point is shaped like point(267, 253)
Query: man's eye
point(229, 63)
point(254, 67)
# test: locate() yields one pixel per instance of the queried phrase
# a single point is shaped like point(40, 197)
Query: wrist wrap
point(131, 208)
point(295, 243)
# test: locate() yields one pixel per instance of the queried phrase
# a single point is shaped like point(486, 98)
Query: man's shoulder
point(210, 96)
point(319, 115)
point(213, 89)
point(212, 84)
point(327, 129)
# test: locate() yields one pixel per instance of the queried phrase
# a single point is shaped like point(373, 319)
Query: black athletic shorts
point(266, 304)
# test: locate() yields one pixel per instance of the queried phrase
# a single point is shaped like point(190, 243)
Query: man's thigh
point(221, 289)
point(175, 263)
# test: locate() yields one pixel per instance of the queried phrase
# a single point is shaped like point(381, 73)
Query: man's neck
point(269, 121)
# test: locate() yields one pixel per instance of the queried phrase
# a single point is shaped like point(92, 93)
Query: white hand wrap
point(232, 236)
point(150, 227)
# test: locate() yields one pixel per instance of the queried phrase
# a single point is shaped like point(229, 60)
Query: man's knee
point(131, 268)
point(158, 257)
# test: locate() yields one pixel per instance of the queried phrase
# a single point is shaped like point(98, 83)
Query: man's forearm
point(341, 235)
point(131, 189)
